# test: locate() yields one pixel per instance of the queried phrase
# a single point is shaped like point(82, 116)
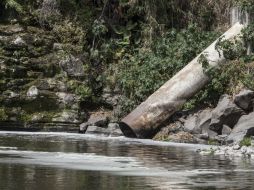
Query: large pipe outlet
point(144, 121)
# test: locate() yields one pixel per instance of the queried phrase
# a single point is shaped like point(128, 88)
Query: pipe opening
point(127, 131)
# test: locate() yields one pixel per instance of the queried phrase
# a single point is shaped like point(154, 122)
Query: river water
point(64, 161)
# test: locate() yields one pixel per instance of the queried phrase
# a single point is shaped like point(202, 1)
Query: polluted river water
point(75, 161)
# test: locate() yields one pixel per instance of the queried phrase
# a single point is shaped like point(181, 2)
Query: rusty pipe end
point(127, 131)
point(134, 132)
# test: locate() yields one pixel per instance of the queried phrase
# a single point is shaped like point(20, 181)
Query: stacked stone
point(35, 81)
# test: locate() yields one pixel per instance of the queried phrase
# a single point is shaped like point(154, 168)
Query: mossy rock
point(17, 84)
point(34, 74)
point(35, 52)
point(3, 115)
point(16, 72)
point(38, 117)
point(48, 65)
point(2, 85)
point(45, 101)
point(8, 30)
point(9, 61)
point(51, 84)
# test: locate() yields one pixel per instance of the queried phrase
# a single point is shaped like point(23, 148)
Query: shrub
point(13, 4)
point(48, 13)
point(144, 71)
point(226, 79)
point(246, 141)
point(69, 32)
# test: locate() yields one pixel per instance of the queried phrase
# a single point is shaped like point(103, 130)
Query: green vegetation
point(246, 141)
point(24, 117)
point(3, 115)
point(71, 35)
point(37, 116)
point(245, 4)
point(144, 71)
point(13, 4)
point(134, 46)
point(212, 142)
point(230, 77)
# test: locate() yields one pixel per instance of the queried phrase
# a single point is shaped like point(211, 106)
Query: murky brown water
point(59, 161)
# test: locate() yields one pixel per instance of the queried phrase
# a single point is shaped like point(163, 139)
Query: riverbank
point(231, 121)
point(229, 151)
point(82, 74)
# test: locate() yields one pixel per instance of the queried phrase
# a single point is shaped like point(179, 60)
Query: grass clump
point(246, 141)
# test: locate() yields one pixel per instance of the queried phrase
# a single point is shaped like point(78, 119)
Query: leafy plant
point(232, 49)
point(227, 78)
point(144, 71)
point(70, 35)
point(246, 141)
point(13, 4)
point(48, 13)
point(245, 4)
point(84, 92)
point(204, 62)
point(99, 27)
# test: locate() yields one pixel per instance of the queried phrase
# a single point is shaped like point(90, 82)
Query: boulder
point(226, 113)
point(182, 137)
point(32, 91)
point(19, 42)
point(83, 127)
point(57, 46)
point(99, 119)
point(11, 29)
point(73, 66)
point(114, 129)
point(199, 123)
point(210, 133)
point(10, 94)
point(245, 100)
point(191, 124)
point(16, 71)
point(204, 121)
point(67, 100)
point(51, 84)
point(226, 130)
point(14, 43)
point(168, 130)
point(205, 116)
point(67, 116)
point(96, 121)
point(111, 97)
point(244, 128)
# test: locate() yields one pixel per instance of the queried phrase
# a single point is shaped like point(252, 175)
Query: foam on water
point(8, 147)
point(95, 137)
point(129, 166)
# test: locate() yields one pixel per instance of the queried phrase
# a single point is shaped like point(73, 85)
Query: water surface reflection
point(70, 161)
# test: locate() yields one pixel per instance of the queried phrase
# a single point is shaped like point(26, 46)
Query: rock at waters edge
point(244, 128)
point(245, 100)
